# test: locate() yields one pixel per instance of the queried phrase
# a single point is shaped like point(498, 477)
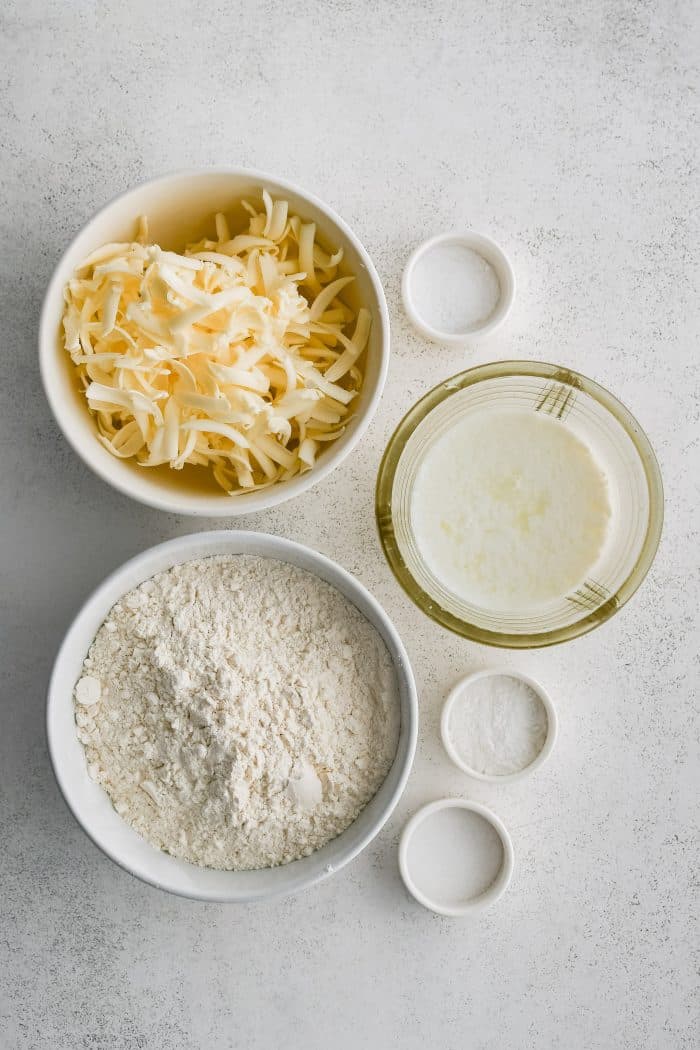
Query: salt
point(498, 725)
point(454, 289)
point(454, 856)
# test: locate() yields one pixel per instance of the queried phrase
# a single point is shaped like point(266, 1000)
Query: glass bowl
point(619, 445)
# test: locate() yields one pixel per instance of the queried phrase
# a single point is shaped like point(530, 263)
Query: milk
point(510, 509)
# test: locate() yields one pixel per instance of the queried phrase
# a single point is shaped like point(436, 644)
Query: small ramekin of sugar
point(457, 287)
point(498, 725)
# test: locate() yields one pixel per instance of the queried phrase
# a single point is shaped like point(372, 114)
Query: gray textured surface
point(565, 130)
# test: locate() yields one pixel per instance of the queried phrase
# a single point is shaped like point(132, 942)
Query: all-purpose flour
point(239, 711)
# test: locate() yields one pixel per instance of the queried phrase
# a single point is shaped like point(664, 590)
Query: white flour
point(239, 711)
point(498, 725)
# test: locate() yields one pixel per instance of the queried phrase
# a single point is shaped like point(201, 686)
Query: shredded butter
point(238, 355)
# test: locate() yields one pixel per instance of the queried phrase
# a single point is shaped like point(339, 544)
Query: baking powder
point(498, 725)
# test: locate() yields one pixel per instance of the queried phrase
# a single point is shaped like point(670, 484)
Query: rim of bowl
point(489, 250)
point(549, 741)
point(255, 502)
point(385, 483)
point(492, 893)
point(276, 546)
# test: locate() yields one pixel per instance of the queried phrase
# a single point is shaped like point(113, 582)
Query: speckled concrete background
point(565, 130)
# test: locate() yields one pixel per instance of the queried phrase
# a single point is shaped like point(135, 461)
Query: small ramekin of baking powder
point(498, 725)
point(457, 287)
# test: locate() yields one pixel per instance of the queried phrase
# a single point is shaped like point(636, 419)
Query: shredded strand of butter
point(216, 357)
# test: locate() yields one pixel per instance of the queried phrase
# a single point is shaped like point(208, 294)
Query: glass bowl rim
point(412, 420)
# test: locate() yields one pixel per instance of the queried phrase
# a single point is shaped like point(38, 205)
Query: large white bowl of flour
point(90, 802)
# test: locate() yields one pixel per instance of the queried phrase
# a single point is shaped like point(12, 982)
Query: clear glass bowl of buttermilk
point(519, 504)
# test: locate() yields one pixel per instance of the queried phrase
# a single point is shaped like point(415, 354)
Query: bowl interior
point(91, 805)
point(458, 693)
point(180, 209)
point(618, 444)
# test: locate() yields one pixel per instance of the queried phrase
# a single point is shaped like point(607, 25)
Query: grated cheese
point(237, 355)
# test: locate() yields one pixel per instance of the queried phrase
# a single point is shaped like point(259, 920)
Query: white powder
point(454, 855)
point(498, 725)
point(454, 288)
point(239, 711)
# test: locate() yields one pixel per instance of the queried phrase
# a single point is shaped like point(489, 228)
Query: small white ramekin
point(473, 904)
point(458, 691)
point(494, 255)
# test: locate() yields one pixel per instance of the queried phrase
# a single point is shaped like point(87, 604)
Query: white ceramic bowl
point(549, 741)
point(489, 250)
point(90, 804)
point(414, 879)
point(179, 207)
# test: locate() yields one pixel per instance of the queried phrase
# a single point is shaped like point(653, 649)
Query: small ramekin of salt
point(498, 725)
point(457, 287)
